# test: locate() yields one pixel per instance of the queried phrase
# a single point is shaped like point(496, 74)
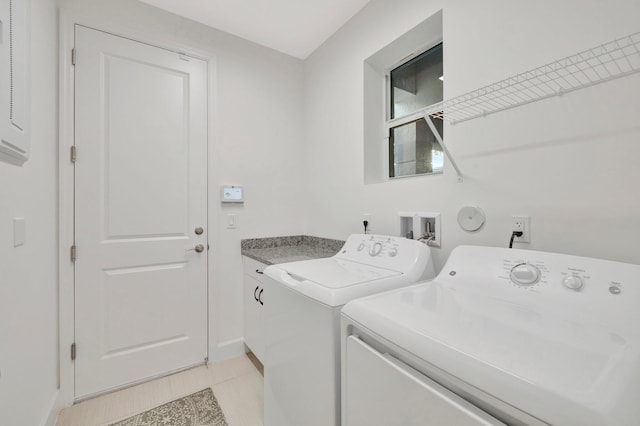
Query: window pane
point(413, 149)
point(417, 83)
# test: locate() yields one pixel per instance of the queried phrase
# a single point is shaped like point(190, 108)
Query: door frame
point(66, 190)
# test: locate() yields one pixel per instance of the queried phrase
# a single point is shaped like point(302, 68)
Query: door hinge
point(73, 56)
point(74, 153)
point(73, 351)
point(74, 253)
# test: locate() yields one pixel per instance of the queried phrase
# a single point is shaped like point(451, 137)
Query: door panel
point(141, 289)
point(381, 391)
point(133, 101)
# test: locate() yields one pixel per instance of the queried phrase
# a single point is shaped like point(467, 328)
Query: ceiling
point(294, 27)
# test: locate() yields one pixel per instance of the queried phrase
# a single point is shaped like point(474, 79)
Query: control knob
point(525, 274)
point(393, 252)
point(375, 249)
point(572, 282)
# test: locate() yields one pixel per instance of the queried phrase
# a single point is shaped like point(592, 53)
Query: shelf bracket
point(432, 126)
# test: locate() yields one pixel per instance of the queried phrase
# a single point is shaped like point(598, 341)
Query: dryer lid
point(559, 371)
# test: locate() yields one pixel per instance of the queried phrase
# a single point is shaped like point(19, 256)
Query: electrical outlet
point(521, 223)
point(367, 217)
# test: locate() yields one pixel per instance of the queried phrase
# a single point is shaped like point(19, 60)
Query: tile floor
point(236, 383)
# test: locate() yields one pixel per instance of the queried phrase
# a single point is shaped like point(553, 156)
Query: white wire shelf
point(609, 61)
point(606, 62)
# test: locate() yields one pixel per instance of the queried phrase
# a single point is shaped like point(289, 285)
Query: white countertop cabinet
point(254, 295)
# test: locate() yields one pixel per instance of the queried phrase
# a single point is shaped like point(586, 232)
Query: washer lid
point(335, 281)
point(334, 273)
point(555, 368)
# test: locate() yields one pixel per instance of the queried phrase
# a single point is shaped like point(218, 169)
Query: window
point(403, 55)
point(414, 85)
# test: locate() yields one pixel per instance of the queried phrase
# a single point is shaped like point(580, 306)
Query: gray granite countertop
point(289, 249)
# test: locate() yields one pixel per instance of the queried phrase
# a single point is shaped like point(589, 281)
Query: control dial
point(525, 274)
point(572, 282)
point(375, 249)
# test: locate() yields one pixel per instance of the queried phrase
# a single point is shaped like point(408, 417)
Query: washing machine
point(302, 321)
point(500, 336)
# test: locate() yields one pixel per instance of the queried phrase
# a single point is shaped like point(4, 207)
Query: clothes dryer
point(501, 336)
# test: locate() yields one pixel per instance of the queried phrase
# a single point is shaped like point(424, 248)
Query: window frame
point(390, 123)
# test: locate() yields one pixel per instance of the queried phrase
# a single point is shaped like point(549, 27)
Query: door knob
point(198, 230)
point(198, 249)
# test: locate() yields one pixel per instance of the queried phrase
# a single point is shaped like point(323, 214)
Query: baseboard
point(54, 407)
point(256, 363)
point(227, 350)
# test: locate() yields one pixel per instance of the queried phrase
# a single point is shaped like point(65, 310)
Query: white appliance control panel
point(374, 245)
point(559, 280)
point(548, 285)
point(396, 253)
point(524, 274)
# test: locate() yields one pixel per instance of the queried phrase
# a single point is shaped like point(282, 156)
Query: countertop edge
point(273, 250)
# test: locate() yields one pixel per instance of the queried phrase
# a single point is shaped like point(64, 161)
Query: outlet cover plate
point(521, 223)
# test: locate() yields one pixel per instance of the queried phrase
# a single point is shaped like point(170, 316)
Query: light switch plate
point(19, 231)
point(232, 221)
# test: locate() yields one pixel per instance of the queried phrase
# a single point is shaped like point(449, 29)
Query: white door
point(141, 138)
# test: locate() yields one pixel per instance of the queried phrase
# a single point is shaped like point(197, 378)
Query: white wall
point(569, 162)
point(254, 142)
point(28, 284)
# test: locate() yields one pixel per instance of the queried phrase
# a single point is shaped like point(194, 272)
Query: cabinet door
point(253, 330)
point(254, 294)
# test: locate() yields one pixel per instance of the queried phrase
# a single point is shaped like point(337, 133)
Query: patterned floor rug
point(198, 409)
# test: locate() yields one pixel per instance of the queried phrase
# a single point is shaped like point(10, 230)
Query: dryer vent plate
point(471, 218)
